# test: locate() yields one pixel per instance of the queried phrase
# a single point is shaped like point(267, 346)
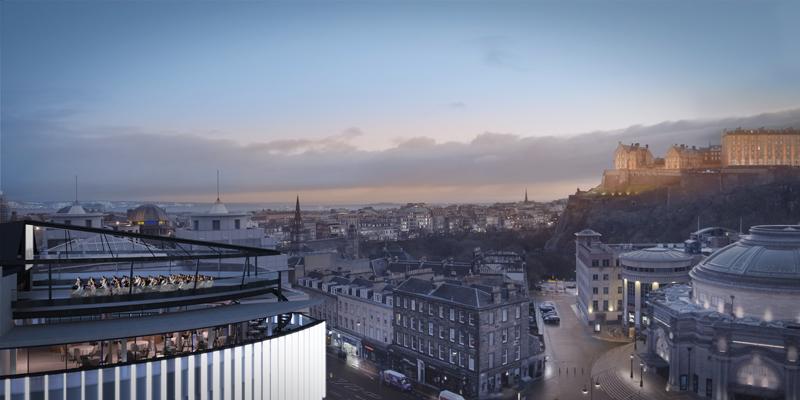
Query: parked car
point(395, 379)
point(547, 306)
point(552, 319)
point(448, 395)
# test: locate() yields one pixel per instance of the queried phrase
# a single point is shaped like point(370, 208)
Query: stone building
point(761, 147)
point(644, 271)
point(359, 313)
point(734, 331)
point(683, 157)
point(633, 156)
point(150, 220)
point(471, 340)
point(598, 279)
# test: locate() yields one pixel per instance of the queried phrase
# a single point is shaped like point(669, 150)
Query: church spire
point(297, 229)
point(526, 195)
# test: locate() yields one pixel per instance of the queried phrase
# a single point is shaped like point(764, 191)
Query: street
point(348, 382)
point(571, 351)
point(576, 360)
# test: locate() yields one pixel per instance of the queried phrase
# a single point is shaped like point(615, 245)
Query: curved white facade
point(291, 366)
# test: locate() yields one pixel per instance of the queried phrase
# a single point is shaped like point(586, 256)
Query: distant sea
point(181, 207)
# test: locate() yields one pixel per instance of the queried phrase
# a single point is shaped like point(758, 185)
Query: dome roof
point(148, 212)
point(587, 232)
point(656, 255)
point(74, 209)
point(218, 208)
point(769, 256)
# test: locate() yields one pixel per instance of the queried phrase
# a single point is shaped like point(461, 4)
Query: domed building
point(73, 214)
point(151, 220)
point(734, 332)
point(643, 271)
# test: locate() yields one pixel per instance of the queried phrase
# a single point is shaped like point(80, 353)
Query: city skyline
point(283, 97)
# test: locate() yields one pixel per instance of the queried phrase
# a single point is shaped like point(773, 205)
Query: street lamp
point(590, 390)
point(631, 366)
point(641, 374)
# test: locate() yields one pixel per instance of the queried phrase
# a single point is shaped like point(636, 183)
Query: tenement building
point(760, 147)
point(469, 339)
point(734, 331)
point(360, 312)
point(120, 315)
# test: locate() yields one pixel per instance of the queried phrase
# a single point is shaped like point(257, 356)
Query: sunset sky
point(374, 101)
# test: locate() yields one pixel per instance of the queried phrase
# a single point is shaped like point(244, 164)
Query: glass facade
point(290, 366)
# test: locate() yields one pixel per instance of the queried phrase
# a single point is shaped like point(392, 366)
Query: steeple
point(297, 229)
point(218, 207)
point(526, 195)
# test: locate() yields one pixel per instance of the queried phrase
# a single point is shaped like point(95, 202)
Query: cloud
point(460, 105)
point(336, 143)
point(40, 156)
point(497, 51)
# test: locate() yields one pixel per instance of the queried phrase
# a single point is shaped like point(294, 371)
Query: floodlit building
point(734, 331)
point(150, 219)
point(642, 272)
point(761, 147)
point(598, 279)
point(128, 316)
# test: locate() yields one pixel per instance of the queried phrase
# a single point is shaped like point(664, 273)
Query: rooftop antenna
point(76, 189)
point(217, 186)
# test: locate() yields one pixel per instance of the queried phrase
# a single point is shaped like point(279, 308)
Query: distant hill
point(670, 214)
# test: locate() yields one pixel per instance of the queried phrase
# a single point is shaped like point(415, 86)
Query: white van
point(396, 379)
point(448, 395)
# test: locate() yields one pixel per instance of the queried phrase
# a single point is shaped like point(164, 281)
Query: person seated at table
point(77, 288)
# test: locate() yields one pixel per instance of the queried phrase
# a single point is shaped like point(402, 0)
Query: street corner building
point(106, 314)
point(733, 332)
point(469, 339)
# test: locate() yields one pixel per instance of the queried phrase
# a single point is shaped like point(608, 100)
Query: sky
point(373, 101)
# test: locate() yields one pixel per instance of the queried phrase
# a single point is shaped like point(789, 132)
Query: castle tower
point(297, 230)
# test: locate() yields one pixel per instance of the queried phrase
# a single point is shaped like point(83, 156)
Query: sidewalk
point(613, 372)
point(372, 371)
point(611, 333)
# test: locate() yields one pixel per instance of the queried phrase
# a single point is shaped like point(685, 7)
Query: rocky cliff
point(670, 214)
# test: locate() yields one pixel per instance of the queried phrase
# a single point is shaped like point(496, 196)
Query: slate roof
point(460, 294)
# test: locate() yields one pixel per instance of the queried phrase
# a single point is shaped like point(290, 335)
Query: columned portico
point(791, 376)
point(739, 316)
point(721, 369)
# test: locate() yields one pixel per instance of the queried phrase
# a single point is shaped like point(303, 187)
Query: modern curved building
point(734, 332)
point(642, 272)
point(129, 316)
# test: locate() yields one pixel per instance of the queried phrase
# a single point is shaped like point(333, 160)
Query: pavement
point(619, 381)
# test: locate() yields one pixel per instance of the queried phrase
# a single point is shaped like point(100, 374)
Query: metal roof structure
point(86, 331)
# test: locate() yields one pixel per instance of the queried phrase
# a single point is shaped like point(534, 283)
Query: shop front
point(376, 352)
